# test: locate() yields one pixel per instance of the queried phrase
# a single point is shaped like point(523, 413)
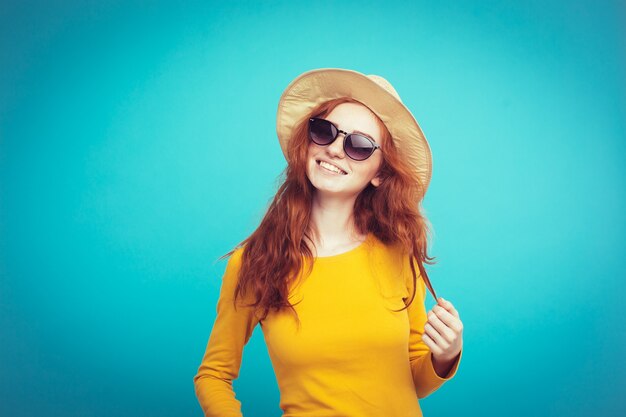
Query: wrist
point(444, 364)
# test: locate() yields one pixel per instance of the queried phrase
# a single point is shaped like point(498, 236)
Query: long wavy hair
point(273, 255)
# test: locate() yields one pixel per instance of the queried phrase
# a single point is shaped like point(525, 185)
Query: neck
point(332, 219)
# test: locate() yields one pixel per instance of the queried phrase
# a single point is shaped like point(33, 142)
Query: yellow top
point(352, 355)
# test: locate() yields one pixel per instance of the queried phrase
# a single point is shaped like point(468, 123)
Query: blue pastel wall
point(138, 144)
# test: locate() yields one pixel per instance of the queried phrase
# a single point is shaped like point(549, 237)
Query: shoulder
point(395, 260)
point(233, 266)
point(386, 264)
point(391, 254)
point(236, 257)
point(232, 276)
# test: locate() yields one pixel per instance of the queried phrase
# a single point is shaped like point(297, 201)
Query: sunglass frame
point(346, 134)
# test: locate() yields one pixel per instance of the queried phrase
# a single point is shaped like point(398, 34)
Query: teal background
point(138, 144)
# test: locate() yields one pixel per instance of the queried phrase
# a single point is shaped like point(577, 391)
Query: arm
point(222, 359)
point(425, 377)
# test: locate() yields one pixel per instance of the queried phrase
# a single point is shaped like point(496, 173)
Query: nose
point(336, 148)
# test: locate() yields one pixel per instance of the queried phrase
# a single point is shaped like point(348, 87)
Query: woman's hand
point(443, 334)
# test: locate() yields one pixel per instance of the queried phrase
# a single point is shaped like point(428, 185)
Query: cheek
point(312, 150)
point(310, 164)
point(371, 168)
point(309, 155)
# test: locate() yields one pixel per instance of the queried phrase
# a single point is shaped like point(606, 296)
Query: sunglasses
point(356, 145)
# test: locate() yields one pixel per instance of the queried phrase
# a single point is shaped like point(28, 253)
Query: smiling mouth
point(319, 163)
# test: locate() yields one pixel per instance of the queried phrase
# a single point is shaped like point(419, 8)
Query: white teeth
point(331, 167)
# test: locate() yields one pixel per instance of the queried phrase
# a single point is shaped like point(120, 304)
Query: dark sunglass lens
point(358, 147)
point(322, 131)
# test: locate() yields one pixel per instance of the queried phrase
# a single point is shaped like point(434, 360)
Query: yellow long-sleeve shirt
point(352, 356)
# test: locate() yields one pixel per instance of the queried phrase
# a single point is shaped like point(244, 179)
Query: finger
point(444, 315)
point(436, 336)
point(448, 306)
point(432, 332)
point(447, 333)
point(431, 344)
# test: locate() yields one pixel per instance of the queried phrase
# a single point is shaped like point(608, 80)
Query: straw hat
point(317, 86)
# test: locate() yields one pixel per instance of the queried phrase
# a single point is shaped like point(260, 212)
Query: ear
point(376, 181)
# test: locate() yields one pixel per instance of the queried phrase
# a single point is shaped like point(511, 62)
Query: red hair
point(273, 254)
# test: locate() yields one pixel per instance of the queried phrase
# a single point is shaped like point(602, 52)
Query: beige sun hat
point(314, 87)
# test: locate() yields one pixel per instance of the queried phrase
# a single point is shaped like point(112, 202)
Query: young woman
point(334, 273)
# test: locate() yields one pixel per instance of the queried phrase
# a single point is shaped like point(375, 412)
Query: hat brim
point(314, 87)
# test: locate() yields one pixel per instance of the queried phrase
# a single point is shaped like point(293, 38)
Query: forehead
point(353, 117)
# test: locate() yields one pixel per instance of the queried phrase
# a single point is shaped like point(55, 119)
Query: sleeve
point(222, 359)
point(425, 378)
